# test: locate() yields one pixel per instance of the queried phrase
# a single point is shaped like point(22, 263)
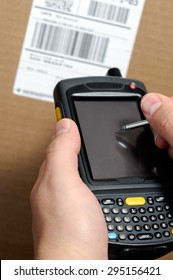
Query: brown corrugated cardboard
point(26, 124)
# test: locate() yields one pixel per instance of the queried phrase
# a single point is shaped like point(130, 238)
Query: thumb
point(158, 110)
point(61, 155)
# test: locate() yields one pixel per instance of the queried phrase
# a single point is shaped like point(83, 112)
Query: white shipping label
point(75, 38)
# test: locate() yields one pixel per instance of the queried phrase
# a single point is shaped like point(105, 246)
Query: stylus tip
point(120, 129)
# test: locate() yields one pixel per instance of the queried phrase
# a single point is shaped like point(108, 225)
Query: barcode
point(108, 12)
point(69, 42)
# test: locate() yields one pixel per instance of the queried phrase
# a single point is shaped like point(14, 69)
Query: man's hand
point(158, 110)
point(68, 222)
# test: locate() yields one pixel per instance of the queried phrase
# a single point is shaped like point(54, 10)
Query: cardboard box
point(26, 125)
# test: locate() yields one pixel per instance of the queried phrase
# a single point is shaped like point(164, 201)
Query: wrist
point(67, 252)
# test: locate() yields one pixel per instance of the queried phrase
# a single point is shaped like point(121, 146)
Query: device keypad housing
point(133, 220)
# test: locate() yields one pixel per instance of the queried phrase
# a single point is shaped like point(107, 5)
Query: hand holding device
point(129, 176)
point(64, 226)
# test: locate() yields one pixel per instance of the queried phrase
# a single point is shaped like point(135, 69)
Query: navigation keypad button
point(153, 218)
point(144, 236)
point(124, 211)
point(106, 210)
point(138, 228)
point(155, 226)
point(108, 201)
point(144, 219)
point(150, 200)
point(135, 219)
point(158, 235)
point(115, 210)
point(159, 208)
point(108, 219)
point(159, 199)
point(120, 228)
point(118, 219)
point(129, 228)
point(120, 202)
point(131, 236)
point(133, 210)
point(166, 233)
point(126, 219)
point(111, 227)
point(150, 209)
point(147, 227)
point(122, 236)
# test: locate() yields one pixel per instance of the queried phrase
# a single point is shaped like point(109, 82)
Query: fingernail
point(155, 136)
point(150, 103)
point(62, 127)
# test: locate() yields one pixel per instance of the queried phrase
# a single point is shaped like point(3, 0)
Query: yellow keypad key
point(135, 201)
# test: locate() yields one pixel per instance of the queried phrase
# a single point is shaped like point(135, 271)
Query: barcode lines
point(69, 42)
point(108, 12)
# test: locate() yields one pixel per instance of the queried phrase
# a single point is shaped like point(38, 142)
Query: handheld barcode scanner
point(128, 174)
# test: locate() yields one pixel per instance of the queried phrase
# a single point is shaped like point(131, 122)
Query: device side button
point(58, 112)
point(135, 201)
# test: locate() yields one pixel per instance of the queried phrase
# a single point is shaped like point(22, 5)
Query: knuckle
point(166, 118)
point(54, 146)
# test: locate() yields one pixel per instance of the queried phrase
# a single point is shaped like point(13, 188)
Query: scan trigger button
point(58, 112)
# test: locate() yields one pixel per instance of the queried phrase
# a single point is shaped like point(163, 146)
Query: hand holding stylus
point(67, 219)
point(158, 110)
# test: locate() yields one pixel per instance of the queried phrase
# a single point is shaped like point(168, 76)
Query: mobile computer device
point(128, 174)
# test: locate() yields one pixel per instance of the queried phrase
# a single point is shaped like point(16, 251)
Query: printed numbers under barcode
point(131, 2)
point(64, 5)
point(108, 12)
point(70, 42)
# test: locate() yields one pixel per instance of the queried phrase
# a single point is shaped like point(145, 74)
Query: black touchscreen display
point(111, 153)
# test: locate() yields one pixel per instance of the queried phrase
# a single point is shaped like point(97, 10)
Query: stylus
point(134, 125)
